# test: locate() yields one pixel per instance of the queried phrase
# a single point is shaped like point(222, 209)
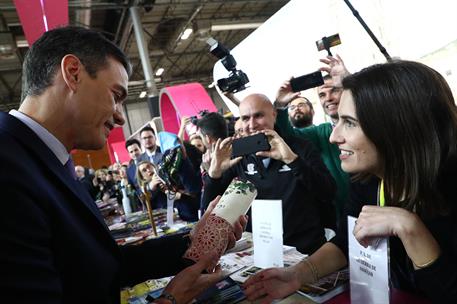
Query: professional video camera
point(194, 119)
point(237, 79)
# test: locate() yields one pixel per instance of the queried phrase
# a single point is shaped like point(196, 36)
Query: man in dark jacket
point(56, 247)
point(291, 171)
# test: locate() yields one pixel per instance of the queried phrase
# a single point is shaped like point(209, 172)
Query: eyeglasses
point(301, 105)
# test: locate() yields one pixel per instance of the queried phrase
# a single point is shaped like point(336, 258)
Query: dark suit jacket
point(155, 159)
point(55, 245)
point(131, 171)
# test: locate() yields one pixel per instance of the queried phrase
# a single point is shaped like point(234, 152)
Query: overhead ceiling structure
point(174, 58)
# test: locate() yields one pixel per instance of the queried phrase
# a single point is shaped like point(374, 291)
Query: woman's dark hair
point(407, 110)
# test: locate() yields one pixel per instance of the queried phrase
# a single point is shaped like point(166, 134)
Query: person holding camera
point(329, 96)
point(291, 171)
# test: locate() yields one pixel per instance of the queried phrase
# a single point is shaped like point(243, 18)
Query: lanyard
point(381, 199)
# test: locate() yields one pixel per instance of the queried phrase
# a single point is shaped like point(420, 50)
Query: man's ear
point(71, 68)
point(208, 139)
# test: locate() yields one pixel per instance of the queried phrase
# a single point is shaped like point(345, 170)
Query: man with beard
point(301, 112)
point(151, 150)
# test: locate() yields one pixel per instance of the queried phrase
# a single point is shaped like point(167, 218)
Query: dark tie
point(70, 167)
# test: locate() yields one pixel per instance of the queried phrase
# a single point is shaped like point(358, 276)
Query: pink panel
point(31, 16)
point(116, 136)
point(56, 12)
point(183, 100)
point(119, 148)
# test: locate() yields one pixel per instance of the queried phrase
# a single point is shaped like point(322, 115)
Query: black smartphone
point(250, 145)
point(307, 81)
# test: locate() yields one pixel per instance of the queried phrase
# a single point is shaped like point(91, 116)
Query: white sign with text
point(369, 269)
point(267, 233)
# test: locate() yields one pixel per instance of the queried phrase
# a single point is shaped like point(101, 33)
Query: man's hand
point(232, 98)
point(190, 282)
point(220, 157)
point(238, 227)
point(285, 94)
point(206, 159)
point(335, 68)
point(279, 149)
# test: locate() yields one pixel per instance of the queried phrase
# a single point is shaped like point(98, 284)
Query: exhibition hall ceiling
point(164, 23)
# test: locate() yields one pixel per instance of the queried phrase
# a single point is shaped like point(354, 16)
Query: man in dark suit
point(86, 180)
point(56, 247)
point(133, 146)
point(152, 152)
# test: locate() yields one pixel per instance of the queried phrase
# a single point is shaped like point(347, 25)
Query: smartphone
point(306, 81)
point(250, 145)
point(328, 42)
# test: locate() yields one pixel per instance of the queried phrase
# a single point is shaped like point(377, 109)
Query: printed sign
point(267, 233)
point(369, 269)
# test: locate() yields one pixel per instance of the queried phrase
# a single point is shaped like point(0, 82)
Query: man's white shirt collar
point(50, 140)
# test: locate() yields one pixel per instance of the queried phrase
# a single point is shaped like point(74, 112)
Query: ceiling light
point(186, 34)
point(143, 94)
point(235, 26)
point(159, 71)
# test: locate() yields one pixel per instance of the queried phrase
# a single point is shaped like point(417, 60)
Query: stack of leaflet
point(327, 287)
point(226, 291)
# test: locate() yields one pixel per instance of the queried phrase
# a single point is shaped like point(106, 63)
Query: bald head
point(79, 170)
point(257, 113)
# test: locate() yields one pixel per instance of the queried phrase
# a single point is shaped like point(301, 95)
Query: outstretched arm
point(335, 68)
point(182, 128)
point(190, 282)
point(277, 283)
point(221, 158)
point(285, 94)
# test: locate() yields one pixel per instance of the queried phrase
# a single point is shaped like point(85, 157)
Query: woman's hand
point(273, 283)
point(375, 222)
point(155, 182)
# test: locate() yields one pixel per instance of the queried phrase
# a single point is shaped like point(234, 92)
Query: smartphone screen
point(306, 81)
point(250, 145)
point(333, 40)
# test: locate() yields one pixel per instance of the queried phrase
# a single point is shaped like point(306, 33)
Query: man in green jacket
point(329, 96)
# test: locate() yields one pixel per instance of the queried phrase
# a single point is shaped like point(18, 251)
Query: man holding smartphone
point(329, 96)
point(291, 171)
